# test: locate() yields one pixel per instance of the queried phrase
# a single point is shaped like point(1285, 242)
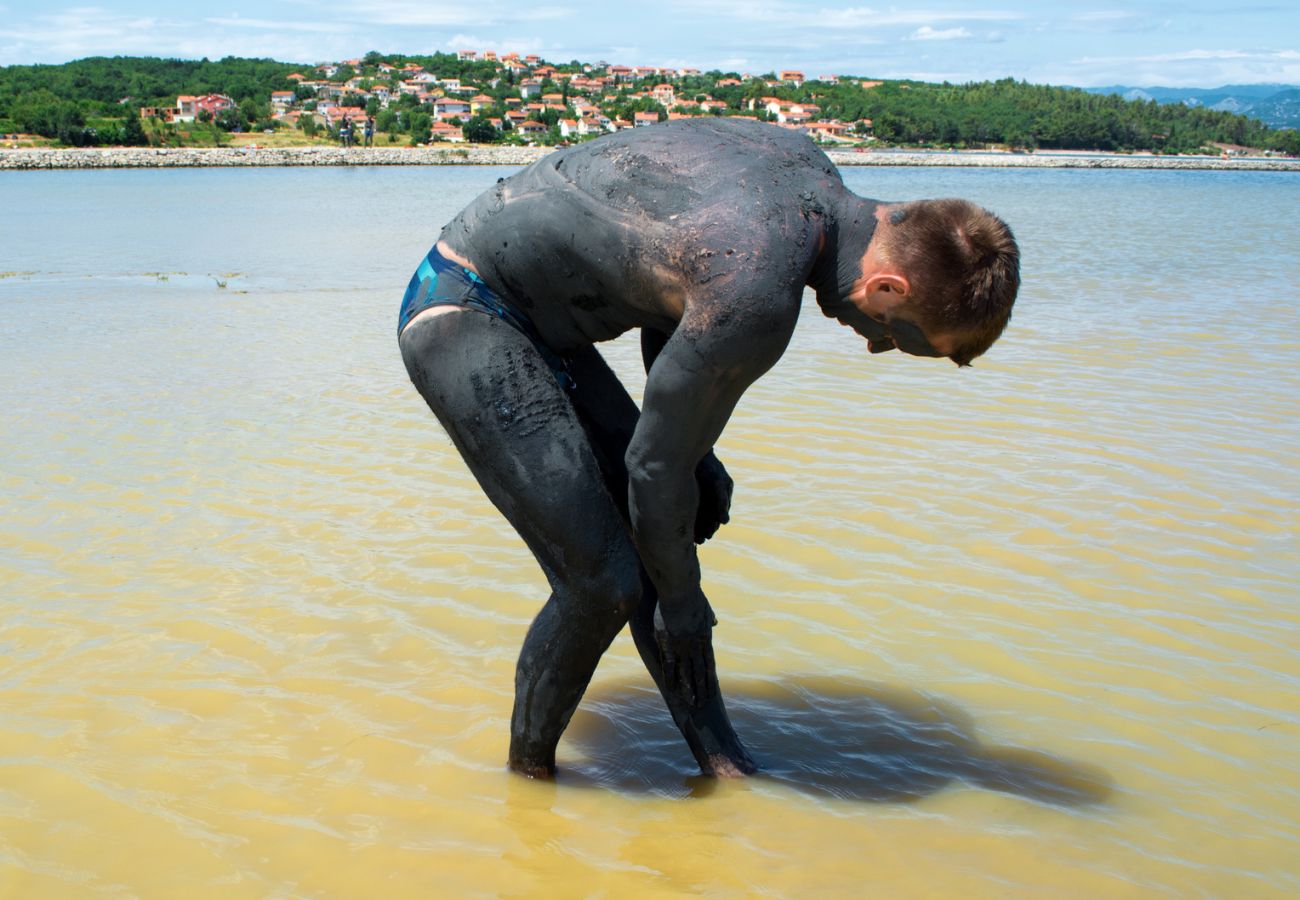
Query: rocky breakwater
point(1059, 160)
point(483, 155)
point(190, 157)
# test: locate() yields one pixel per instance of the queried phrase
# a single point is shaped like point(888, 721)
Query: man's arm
point(713, 509)
point(693, 385)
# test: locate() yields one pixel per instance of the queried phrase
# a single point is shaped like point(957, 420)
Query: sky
point(1086, 43)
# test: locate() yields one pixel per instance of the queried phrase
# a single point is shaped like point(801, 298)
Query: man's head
point(939, 278)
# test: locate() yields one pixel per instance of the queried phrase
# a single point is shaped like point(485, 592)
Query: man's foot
point(540, 771)
point(720, 766)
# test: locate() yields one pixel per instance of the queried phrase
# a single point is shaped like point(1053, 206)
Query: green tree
point(479, 130)
point(419, 129)
point(133, 131)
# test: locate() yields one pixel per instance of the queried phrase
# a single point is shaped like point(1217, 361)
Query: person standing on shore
point(370, 130)
point(345, 132)
point(701, 234)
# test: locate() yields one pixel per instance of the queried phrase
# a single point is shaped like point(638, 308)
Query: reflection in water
point(826, 737)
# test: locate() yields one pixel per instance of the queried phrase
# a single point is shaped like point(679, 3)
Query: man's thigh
point(520, 436)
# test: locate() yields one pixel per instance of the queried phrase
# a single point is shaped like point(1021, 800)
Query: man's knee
point(611, 592)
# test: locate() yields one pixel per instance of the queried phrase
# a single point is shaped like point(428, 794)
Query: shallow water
point(1025, 629)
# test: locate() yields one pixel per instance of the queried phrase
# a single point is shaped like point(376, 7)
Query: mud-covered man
point(702, 234)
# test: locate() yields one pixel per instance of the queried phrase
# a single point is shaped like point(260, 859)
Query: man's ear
point(889, 283)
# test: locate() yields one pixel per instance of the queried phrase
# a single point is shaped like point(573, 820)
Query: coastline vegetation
point(95, 102)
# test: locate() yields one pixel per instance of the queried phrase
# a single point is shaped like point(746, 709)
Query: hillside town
point(519, 99)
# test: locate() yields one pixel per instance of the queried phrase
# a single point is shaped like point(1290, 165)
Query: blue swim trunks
point(441, 282)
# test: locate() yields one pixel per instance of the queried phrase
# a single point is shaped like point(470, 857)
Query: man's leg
point(609, 415)
point(502, 407)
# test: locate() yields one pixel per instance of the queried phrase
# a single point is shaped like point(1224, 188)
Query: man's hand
point(715, 497)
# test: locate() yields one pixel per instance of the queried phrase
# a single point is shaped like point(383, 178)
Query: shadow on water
point(824, 737)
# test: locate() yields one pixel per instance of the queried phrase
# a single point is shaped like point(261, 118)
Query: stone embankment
point(190, 157)
point(1059, 160)
point(149, 158)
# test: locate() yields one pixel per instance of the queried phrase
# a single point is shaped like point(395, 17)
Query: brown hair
point(964, 268)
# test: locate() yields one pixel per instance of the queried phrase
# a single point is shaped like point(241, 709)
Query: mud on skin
point(703, 234)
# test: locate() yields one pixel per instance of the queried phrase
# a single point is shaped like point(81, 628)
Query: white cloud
point(926, 33)
point(1186, 68)
point(1103, 15)
point(415, 13)
point(84, 31)
point(865, 17)
point(268, 25)
point(1186, 55)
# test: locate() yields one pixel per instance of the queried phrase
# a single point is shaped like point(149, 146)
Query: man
point(701, 233)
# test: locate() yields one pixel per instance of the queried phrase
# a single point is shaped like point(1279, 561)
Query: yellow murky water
point(1026, 630)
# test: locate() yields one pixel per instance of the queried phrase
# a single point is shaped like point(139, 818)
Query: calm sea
point(1029, 629)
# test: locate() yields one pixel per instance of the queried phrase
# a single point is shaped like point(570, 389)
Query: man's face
point(890, 331)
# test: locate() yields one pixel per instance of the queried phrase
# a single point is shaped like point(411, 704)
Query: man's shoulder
point(686, 168)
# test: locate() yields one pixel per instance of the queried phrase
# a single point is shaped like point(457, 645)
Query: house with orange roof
point(448, 107)
point(532, 127)
point(480, 102)
point(833, 131)
point(642, 119)
point(296, 77)
point(188, 107)
point(490, 55)
point(568, 128)
point(595, 124)
point(530, 87)
point(664, 95)
point(282, 99)
point(444, 131)
point(466, 55)
point(621, 73)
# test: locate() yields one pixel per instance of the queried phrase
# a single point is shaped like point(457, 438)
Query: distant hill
point(1276, 105)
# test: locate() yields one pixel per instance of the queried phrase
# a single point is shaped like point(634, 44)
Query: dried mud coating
point(702, 234)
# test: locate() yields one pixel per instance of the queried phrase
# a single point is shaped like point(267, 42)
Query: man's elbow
point(644, 467)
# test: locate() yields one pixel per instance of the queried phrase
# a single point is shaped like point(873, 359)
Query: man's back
point(625, 231)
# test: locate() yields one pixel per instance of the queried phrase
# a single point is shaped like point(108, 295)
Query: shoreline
point(218, 157)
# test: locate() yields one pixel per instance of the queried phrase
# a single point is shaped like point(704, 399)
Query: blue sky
point(1079, 42)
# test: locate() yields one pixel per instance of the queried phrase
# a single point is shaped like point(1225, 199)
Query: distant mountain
point(1276, 105)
